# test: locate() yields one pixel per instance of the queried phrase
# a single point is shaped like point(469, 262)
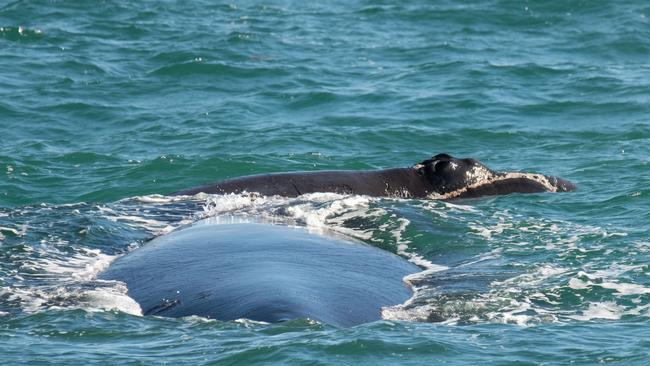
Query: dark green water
point(106, 106)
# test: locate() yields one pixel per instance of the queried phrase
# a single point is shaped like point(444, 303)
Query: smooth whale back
point(262, 272)
point(397, 182)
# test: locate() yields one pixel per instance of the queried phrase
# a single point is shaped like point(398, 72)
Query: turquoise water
point(106, 106)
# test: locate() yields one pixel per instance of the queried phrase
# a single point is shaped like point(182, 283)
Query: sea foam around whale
point(490, 279)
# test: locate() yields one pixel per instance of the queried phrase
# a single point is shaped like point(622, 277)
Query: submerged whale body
point(262, 272)
point(442, 177)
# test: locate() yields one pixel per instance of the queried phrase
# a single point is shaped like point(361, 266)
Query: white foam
point(577, 284)
point(621, 289)
point(401, 313)
point(533, 297)
point(17, 232)
point(154, 219)
point(157, 198)
point(69, 282)
point(110, 298)
point(534, 278)
point(219, 204)
point(82, 266)
point(626, 289)
point(600, 310)
point(320, 207)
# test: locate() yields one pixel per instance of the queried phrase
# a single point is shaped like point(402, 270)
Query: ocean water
point(106, 106)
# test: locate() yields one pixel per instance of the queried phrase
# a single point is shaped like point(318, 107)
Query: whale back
point(443, 177)
point(262, 272)
point(397, 182)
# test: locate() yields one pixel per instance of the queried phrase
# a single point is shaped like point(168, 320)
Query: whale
point(243, 269)
point(270, 272)
point(443, 177)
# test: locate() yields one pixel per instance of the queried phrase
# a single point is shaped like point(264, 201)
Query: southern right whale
point(273, 273)
point(443, 177)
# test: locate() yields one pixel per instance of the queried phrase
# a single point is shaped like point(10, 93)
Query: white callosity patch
point(480, 176)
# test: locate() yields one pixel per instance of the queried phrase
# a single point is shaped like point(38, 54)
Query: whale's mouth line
point(494, 179)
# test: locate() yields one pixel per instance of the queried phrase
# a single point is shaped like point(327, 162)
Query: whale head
point(451, 177)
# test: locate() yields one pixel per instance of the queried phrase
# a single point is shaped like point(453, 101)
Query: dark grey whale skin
point(436, 177)
point(262, 272)
point(367, 182)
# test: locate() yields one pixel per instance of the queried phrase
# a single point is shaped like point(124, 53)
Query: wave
point(198, 67)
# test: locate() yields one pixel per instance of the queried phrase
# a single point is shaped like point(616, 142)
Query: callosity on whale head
point(452, 177)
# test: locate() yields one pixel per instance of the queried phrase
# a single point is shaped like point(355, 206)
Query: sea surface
point(106, 106)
